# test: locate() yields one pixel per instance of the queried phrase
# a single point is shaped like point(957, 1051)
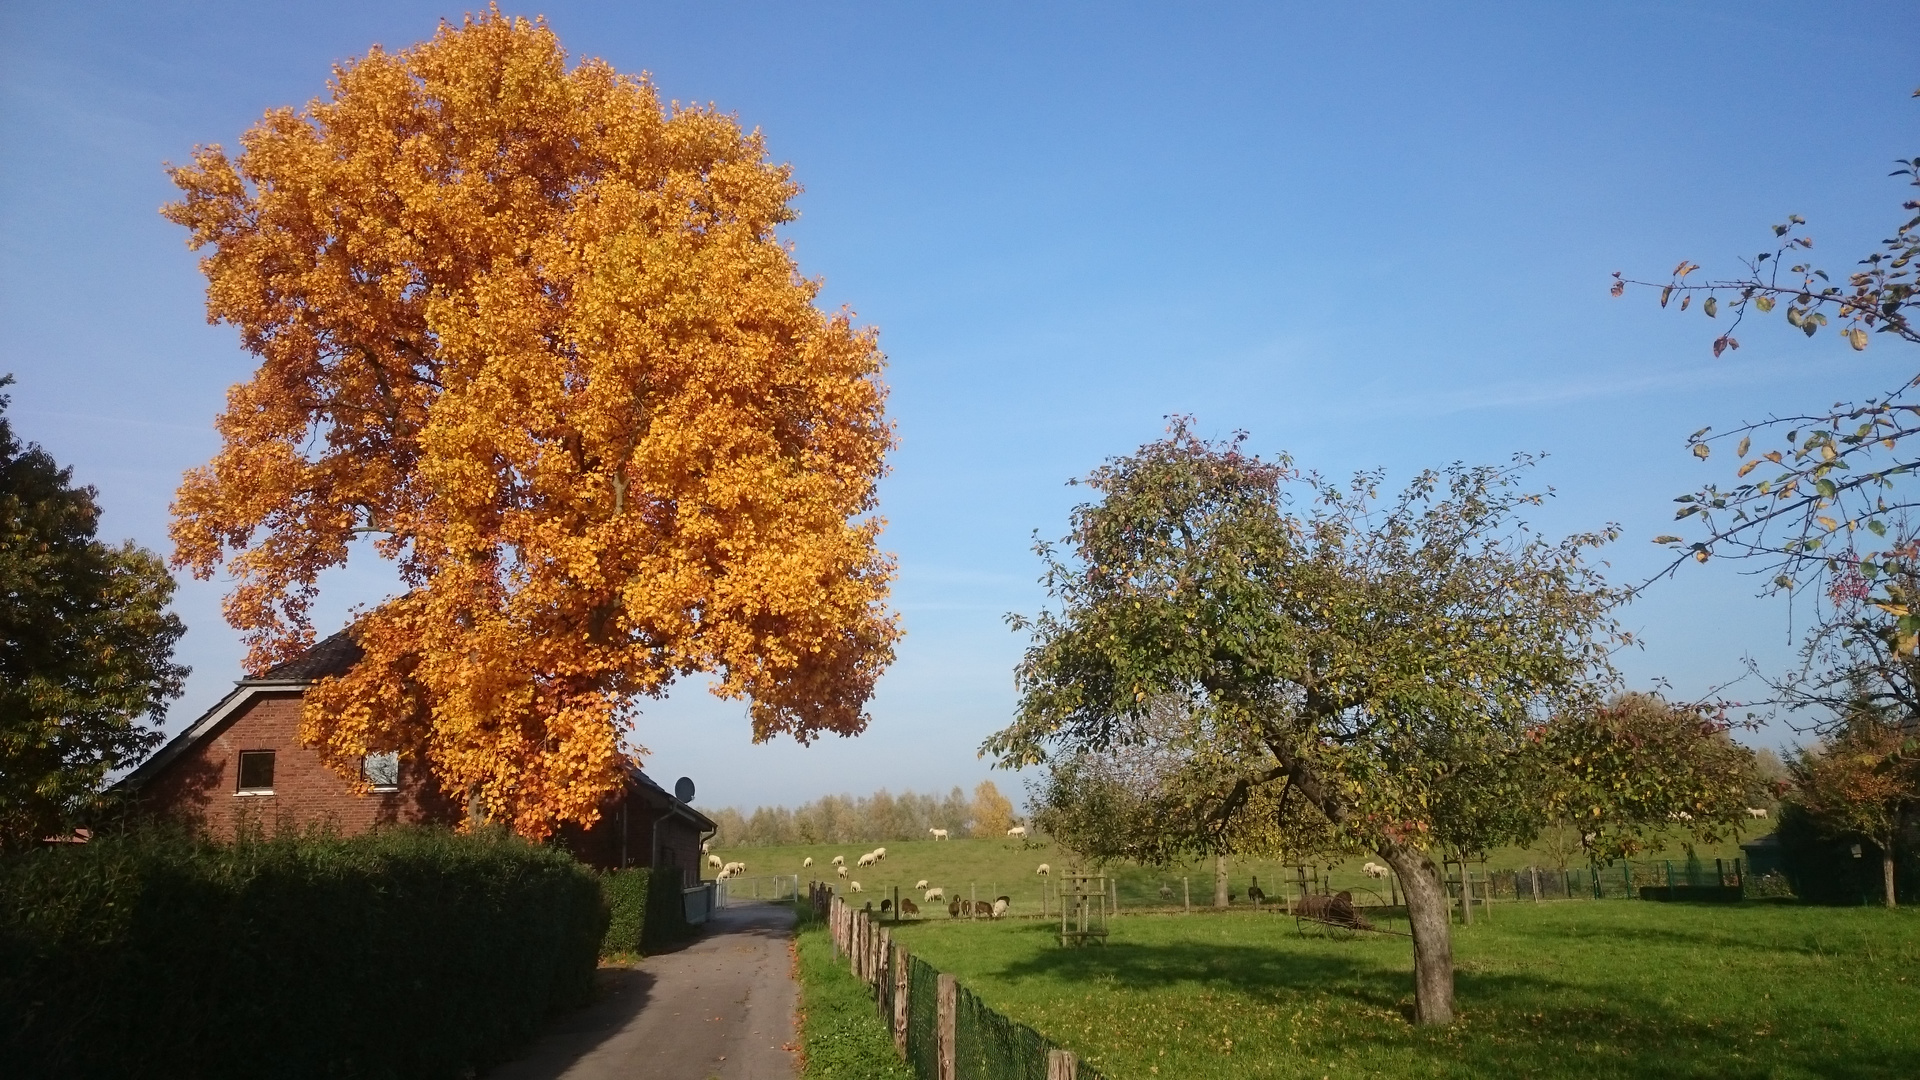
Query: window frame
point(240, 772)
point(367, 773)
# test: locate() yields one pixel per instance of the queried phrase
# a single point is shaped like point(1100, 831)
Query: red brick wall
point(199, 786)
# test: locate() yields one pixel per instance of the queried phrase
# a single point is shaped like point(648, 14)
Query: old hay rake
point(1344, 914)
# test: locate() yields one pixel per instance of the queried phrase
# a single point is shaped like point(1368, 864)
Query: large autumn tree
point(533, 333)
point(86, 646)
point(1243, 656)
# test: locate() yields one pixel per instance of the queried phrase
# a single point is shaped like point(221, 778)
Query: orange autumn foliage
point(535, 335)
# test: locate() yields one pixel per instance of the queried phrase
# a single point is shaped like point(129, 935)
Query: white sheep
point(1044, 870)
point(935, 893)
point(737, 867)
point(706, 846)
point(867, 860)
point(806, 862)
point(841, 870)
point(921, 884)
point(879, 853)
point(1000, 907)
point(1019, 831)
point(839, 860)
point(713, 861)
point(1756, 811)
point(1375, 870)
point(853, 886)
point(938, 834)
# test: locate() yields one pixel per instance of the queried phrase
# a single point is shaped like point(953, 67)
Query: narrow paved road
point(720, 1009)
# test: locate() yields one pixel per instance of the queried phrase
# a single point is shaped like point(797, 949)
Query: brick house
point(241, 764)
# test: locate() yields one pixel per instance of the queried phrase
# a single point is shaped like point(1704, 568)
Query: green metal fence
point(989, 1046)
point(923, 1051)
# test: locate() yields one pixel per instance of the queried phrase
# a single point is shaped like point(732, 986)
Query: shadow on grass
point(1512, 1024)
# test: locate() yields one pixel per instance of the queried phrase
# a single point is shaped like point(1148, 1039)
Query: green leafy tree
point(1385, 663)
point(1815, 492)
point(1863, 780)
point(1628, 772)
point(86, 646)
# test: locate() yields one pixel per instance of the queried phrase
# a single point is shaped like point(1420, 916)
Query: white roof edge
point(197, 731)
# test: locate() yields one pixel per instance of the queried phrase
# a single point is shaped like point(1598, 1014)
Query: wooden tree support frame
point(1083, 909)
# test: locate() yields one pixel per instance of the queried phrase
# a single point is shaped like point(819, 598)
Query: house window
point(256, 771)
point(382, 771)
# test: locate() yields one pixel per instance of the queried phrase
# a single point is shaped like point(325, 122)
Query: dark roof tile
point(331, 656)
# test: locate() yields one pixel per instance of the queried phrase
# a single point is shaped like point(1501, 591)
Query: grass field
point(990, 868)
point(1618, 988)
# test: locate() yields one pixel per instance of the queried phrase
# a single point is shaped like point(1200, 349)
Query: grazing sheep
point(706, 846)
point(879, 853)
point(1166, 891)
point(1018, 830)
point(908, 907)
point(1255, 893)
point(886, 906)
point(734, 868)
point(935, 893)
point(713, 861)
point(954, 908)
point(1756, 811)
point(867, 860)
point(839, 860)
point(1044, 870)
point(841, 870)
point(921, 884)
point(1000, 906)
point(1375, 871)
point(853, 886)
point(806, 862)
point(939, 834)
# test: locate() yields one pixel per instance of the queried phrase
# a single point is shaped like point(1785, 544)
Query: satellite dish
point(683, 789)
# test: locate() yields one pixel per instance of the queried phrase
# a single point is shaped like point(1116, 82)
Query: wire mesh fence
point(942, 1029)
point(923, 1051)
point(989, 1046)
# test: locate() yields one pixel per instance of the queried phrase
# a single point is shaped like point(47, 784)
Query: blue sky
point(1368, 234)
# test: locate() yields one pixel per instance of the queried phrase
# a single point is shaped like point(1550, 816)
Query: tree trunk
point(1427, 911)
point(1219, 881)
point(1886, 870)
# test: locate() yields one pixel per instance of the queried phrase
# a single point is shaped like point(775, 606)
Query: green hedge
point(647, 911)
point(399, 953)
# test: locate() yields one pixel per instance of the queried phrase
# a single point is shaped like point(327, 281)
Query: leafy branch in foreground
point(1826, 491)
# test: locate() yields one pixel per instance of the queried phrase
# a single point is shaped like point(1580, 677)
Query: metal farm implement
point(1341, 915)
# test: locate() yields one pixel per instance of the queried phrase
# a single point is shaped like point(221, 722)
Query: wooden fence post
point(902, 962)
point(859, 944)
point(1062, 1065)
point(946, 1013)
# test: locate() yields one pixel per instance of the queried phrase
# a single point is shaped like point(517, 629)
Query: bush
point(398, 953)
point(647, 911)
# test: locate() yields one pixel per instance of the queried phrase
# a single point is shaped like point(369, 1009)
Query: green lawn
point(989, 868)
point(1573, 989)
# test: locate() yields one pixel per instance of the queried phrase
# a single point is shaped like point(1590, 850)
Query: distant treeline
point(877, 818)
